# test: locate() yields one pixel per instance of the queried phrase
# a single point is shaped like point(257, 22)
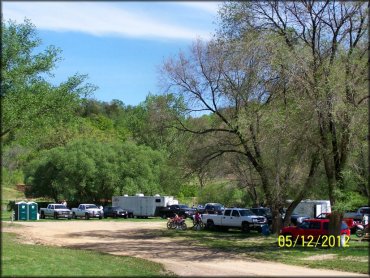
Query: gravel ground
point(134, 239)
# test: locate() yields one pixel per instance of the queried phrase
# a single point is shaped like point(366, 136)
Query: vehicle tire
point(100, 217)
point(210, 225)
point(171, 224)
point(55, 215)
point(42, 215)
point(245, 227)
point(359, 232)
point(69, 218)
point(87, 216)
point(163, 216)
point(183, 226)
point(74, 215)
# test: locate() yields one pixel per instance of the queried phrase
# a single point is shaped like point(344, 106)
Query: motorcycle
point(361, 229)
point(178, 223)
point(197, 224)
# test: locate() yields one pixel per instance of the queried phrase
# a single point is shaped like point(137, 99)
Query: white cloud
point(209, 7)
point(101, 19)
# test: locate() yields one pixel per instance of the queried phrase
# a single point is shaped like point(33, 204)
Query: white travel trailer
point(143, 206)
point(312, 208)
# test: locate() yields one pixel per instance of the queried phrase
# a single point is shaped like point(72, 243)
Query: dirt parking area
point(138, 239)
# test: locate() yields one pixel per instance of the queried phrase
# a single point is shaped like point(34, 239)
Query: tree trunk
point(276, 219)
point(335, 227)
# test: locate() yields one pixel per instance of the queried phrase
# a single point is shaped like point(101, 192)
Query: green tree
point(89, 170)
point(28, 101)
point(327, 41)
point(252, 115)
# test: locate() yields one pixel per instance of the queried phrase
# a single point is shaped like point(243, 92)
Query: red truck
point(351, 223)
point(312, 227)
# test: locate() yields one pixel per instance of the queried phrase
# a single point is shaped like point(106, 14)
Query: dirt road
point(138, 240)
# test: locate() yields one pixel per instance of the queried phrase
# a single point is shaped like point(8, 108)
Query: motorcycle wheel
point(183, 226)
point(359, 232)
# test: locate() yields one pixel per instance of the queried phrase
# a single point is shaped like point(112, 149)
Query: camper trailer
point(312, 208)
point(143, 206)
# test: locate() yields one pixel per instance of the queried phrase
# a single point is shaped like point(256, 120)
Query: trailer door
point(318, 209)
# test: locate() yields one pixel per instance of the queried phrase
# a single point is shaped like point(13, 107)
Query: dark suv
point(180, 210)
point(213, 208)
point(266, 212)
point(115, 212)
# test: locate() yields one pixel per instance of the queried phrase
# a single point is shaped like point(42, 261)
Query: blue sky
point(120, 45)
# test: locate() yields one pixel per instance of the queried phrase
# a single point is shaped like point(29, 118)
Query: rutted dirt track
point(138, 240)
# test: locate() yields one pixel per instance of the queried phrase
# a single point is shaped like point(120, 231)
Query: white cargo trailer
point(143, 206)
point(312, 208)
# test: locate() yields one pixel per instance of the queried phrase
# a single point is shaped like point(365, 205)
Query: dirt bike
point(197, 224)
point(173, 223)
point(361, 230)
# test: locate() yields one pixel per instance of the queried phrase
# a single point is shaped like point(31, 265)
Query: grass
point(351, 259)
point(35, 260)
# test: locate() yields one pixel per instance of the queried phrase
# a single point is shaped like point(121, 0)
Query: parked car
point(56, 211)
point(87, 211)
point(312, 227)
point(212, 208)
point(114, 212)
point(237, 218)
point(357, 214)
point(266, 212)
point(297, 219)
point(180, 210)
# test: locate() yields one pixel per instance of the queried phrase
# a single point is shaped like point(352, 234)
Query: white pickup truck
point(56, 211)
point(87, 211)
point(237, 218)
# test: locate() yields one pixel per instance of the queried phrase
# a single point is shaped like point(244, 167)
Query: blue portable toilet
point(32, 210)
point(265, 230)
point(21, 211)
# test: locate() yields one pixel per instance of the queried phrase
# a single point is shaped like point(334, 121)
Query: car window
point(183, 206)
point(365, 211)
point(246, 212)
point(235, 213)
point(304, 225)
point(315, 225)
point(91, 207)
point(227, 212)
point(60, 207)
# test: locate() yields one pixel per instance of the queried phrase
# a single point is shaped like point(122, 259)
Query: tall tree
point(332, 72)
point(236, 83)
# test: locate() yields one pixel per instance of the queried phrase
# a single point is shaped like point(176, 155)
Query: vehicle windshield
point(365, 211)
point(91, 207)
point(117, 208)
point(218, 208)
point(245, 212)
point(60, 207)
point(183, 206)
point(304, 225)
